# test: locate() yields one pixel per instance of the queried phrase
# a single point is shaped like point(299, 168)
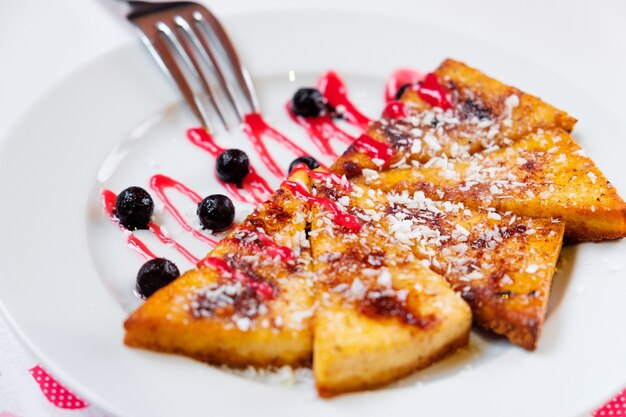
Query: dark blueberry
point(134, 208)
point(308, 102)
point(216, 212)
point(232, 166)
point(401, 90)
point(154, 275)
point(309, 161)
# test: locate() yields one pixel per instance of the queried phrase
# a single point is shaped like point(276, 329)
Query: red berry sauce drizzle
point(159, 183)
point(323, 176)
point(256, 128)
point(346, 220)
point(260, 242)
point(225, 270)
point(399, 78)
point(254, 184)
point(321, 130)
point(108, 201)
point(273, 249)
point(432, 92)
point(374, 149)
point(395, 110)
point(426, 85)
point(334, 91)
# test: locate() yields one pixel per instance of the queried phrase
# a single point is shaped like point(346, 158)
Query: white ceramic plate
point(67, 277)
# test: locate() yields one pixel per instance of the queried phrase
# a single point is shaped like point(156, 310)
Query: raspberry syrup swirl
point(340, 218)
point(224, 269)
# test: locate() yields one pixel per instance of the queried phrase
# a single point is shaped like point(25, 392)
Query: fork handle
point(139, 8)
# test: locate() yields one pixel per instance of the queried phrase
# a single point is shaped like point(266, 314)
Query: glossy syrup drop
point(433, 93)
point(395, 110)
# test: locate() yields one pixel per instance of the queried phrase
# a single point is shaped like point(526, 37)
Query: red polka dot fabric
point(60, 397)
point(55, 392)
point(615, 407)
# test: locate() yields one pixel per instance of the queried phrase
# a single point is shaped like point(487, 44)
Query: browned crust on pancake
point(451, 347)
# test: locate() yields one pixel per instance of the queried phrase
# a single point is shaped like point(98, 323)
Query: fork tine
point(163, 54)
point(212, 61)
point(203, 15)
point(190, 47)
point(184, 51)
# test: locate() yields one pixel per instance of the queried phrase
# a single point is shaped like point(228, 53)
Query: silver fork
point(193, 48)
